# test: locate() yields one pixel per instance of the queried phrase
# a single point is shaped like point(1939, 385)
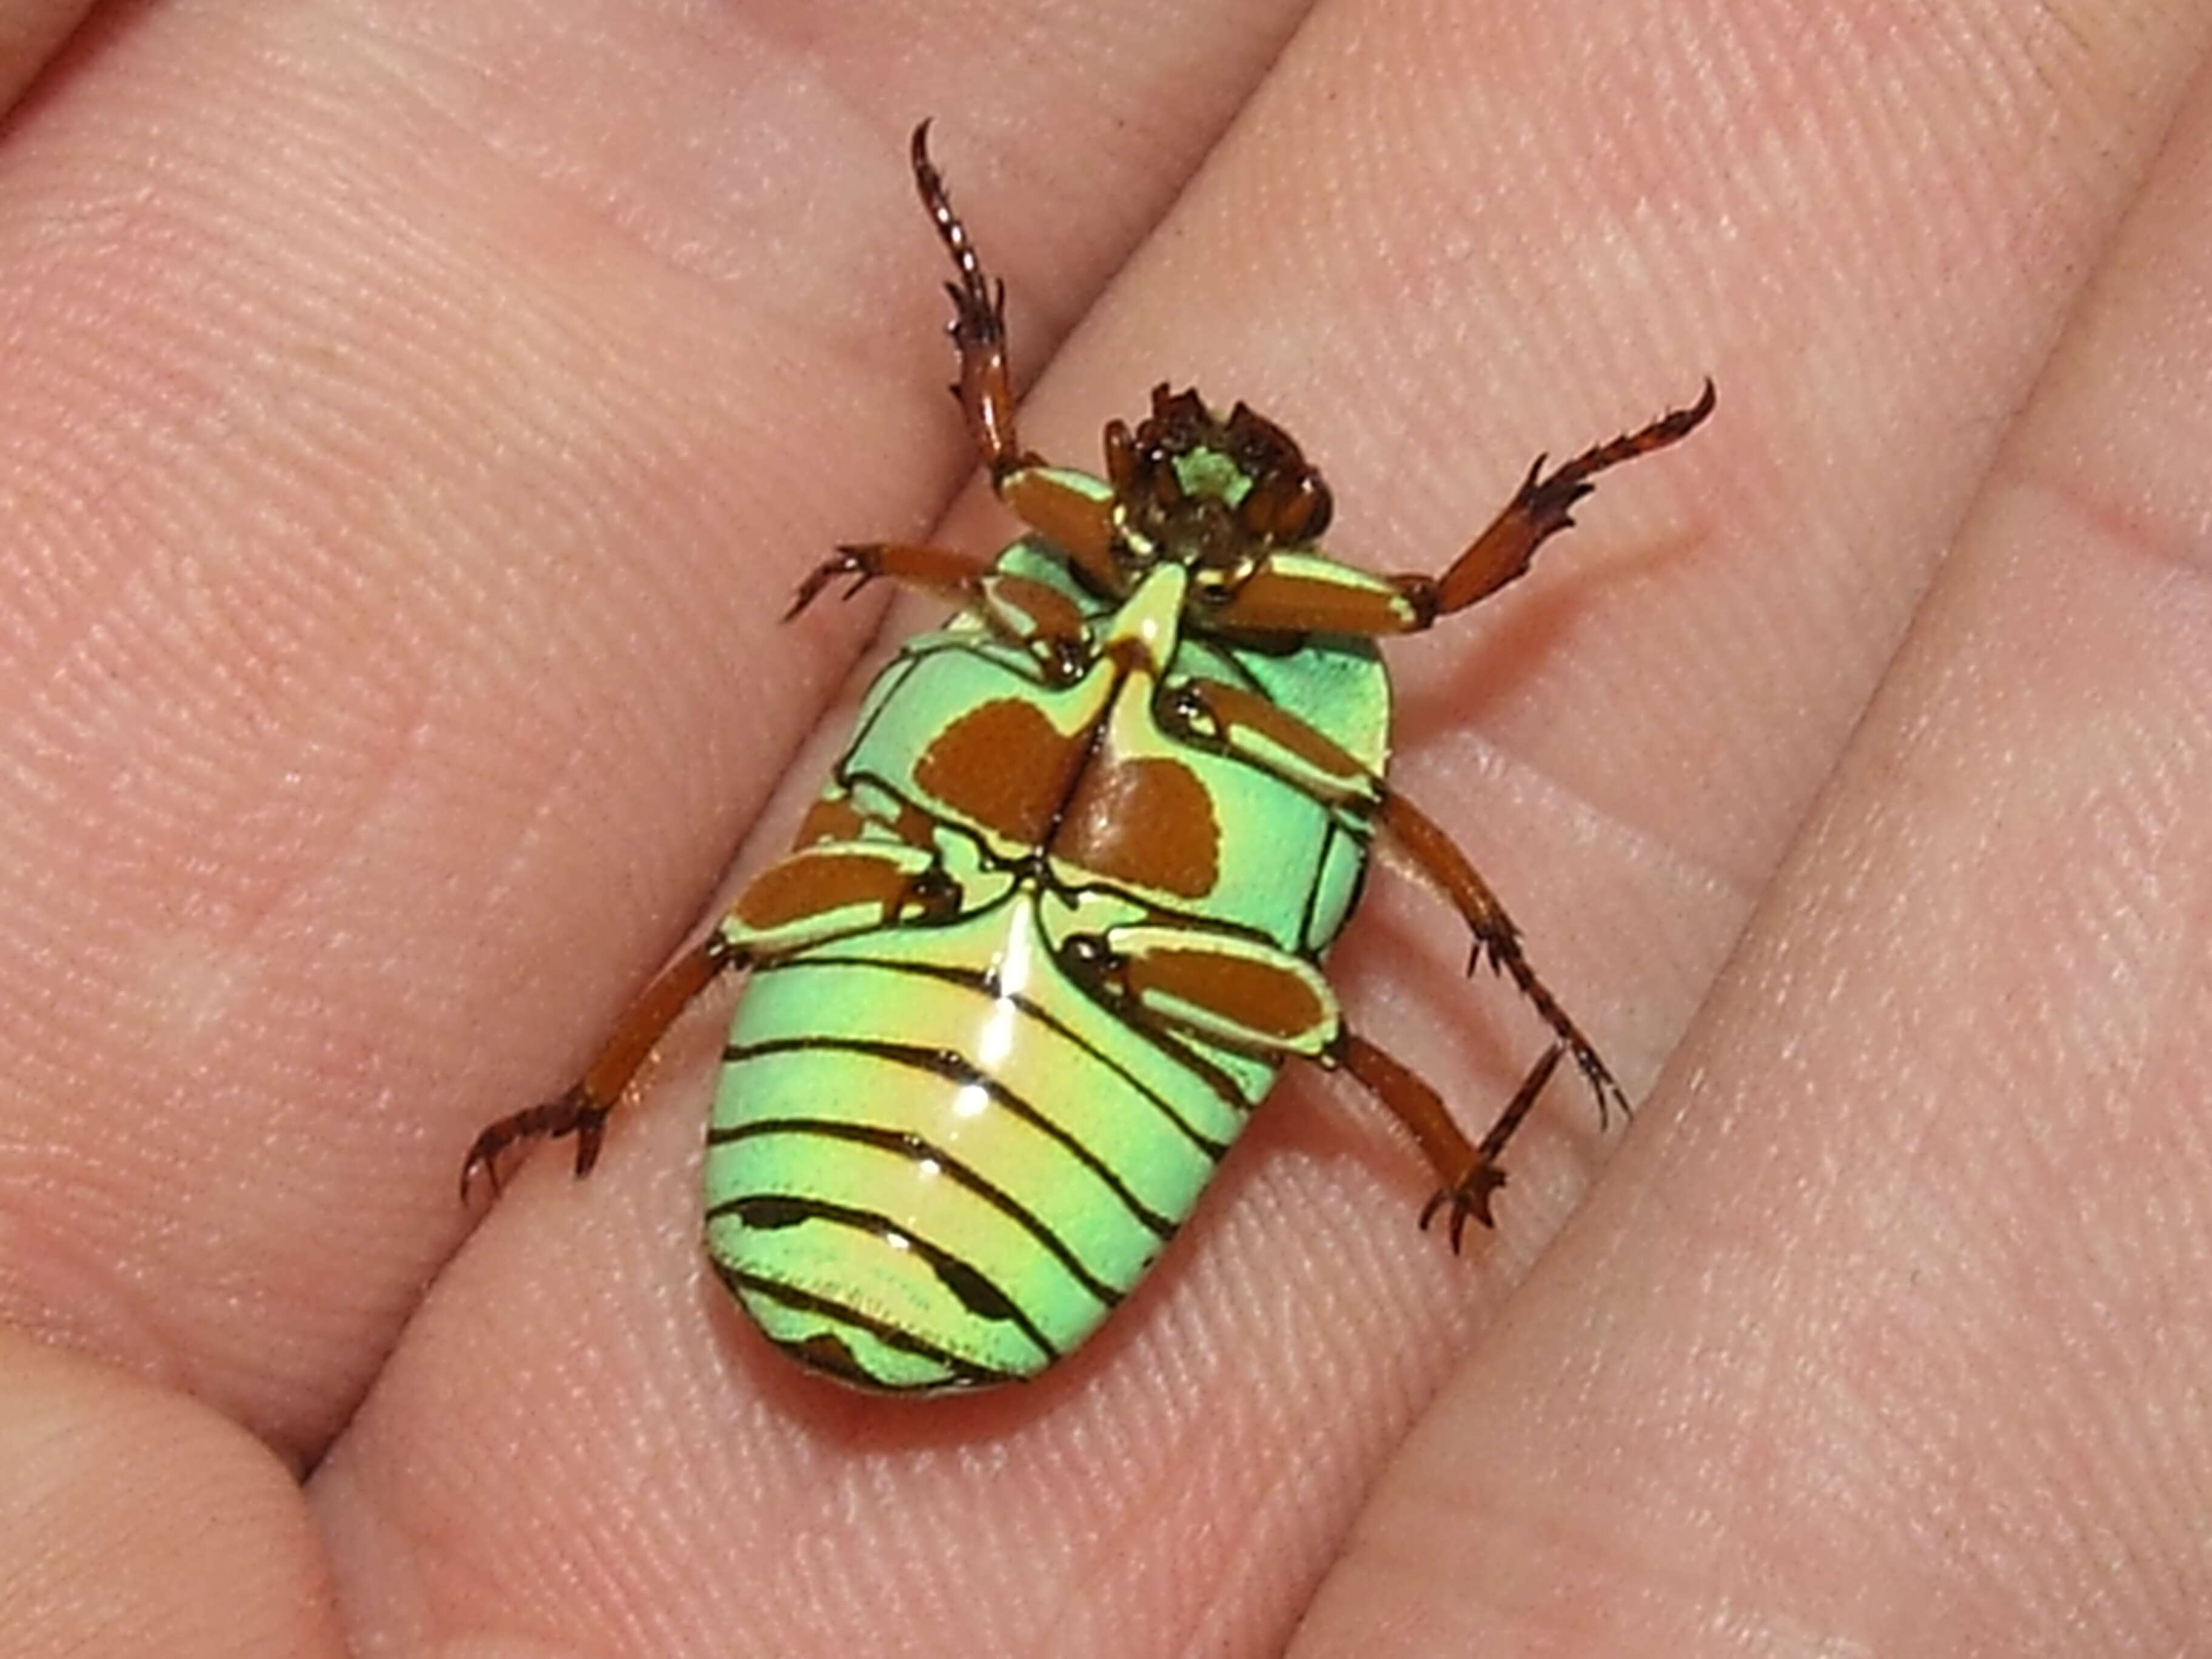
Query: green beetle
point(1056, 921)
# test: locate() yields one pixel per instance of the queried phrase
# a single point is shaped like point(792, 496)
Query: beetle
point(1056, 921)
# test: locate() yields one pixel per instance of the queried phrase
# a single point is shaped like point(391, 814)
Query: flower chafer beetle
point(1056, 921)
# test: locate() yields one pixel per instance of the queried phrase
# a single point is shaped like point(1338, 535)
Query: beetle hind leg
point(1468, 1172)
point(1243, 995)
point(582, 1109)
point(814, 893)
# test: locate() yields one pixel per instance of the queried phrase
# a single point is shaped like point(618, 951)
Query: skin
point(416, 418)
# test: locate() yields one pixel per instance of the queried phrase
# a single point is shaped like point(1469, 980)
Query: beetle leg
point(1436, 856)
point(979, 326)
point(581, 1109)
point(1073, 510)
point(954, 577)
point(1469, 1171)
point(816, 893)
point(1304, 593)
point(1230, 719)
point(1019, 611)
point(1539, 510)
point(1235, 993)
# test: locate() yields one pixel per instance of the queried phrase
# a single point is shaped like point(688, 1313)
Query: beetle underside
point(1058, 918)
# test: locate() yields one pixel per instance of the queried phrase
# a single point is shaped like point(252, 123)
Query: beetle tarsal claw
point(1468, 1198)
point(857, 561)
point(1611, 1096)
point(574, 1112)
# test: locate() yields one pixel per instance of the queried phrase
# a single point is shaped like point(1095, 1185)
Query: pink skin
point(416, 417)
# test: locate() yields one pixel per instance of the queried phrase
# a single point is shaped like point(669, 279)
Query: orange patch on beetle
point(1146, 822)
point(830, 820)
point(1253, 994)
point(1050, 614)
point(1003, 766)
point(1236, 708)
point(835, 819)
point(819, 883)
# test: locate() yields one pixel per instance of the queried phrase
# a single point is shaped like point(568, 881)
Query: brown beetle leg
point(1291, 595)
point(816, 892)
point(1468, 1172)
point(1434, 853)
point(1539, 510)
point(1235, 721)
point(581, 1110)
point(1020, 610)
point(952, 576)
point(979, 326)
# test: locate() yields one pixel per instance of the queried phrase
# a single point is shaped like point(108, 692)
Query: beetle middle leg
point(1437, 857)
point(1230, 719)
point(1020, 610)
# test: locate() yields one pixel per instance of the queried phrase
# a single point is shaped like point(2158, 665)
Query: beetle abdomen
point(935, 1161)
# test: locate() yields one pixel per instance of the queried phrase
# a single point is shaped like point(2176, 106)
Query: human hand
point(418, 417)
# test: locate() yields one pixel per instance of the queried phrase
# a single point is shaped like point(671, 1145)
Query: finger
point(31, 31)
point(412, 417)
point(1183, 1480)
point(137, 1522)
point(1888, 1334)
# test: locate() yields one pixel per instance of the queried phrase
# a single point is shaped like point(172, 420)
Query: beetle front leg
point(1296, 592)
point(979, 326)
point(1539, 509)
point(816, 893)
point(985, 391)
point(1073, 511)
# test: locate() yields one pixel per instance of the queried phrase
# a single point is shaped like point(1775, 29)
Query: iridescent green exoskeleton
point(1057, 919)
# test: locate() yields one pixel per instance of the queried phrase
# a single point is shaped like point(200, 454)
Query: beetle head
point(1217, 496)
